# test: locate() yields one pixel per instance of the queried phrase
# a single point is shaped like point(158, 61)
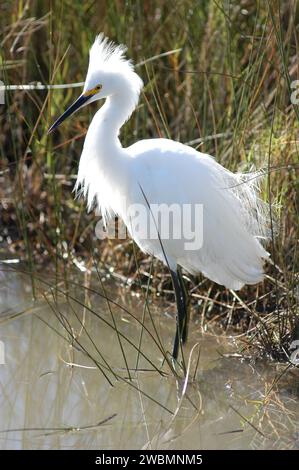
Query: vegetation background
point(224, 86)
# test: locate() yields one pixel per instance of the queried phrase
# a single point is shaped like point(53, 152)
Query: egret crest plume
point(106, 55)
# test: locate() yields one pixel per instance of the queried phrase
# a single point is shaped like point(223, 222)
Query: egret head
point(109, 73)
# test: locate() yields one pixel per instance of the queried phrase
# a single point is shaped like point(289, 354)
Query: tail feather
point(232, 253)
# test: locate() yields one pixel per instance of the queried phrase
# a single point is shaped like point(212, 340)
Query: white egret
point(166, 174)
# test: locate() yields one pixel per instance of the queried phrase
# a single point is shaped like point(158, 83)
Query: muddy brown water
point(97, 392)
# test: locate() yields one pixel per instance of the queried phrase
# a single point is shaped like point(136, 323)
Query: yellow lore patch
point(93, 91)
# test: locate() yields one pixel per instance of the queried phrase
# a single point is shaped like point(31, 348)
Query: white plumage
point(162, 171)
point(169, 172)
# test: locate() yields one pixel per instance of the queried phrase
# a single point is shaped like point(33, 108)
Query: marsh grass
point(224, 86)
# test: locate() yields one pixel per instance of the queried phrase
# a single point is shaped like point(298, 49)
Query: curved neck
point(111, 116)
point(103, 164)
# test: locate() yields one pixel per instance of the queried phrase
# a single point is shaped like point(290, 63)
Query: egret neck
point(107, 123)
point(102, 173)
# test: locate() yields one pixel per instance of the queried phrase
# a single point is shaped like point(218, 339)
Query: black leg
point(181, 314)
point(186, 300)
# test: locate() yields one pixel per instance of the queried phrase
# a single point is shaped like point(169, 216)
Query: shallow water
point(55, 390)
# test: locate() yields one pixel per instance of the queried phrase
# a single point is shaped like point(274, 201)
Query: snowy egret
point(165, 183)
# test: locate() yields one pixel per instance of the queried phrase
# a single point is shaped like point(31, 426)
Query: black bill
point(71, 110)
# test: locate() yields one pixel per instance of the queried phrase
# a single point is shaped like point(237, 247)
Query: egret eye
point(98, 87)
